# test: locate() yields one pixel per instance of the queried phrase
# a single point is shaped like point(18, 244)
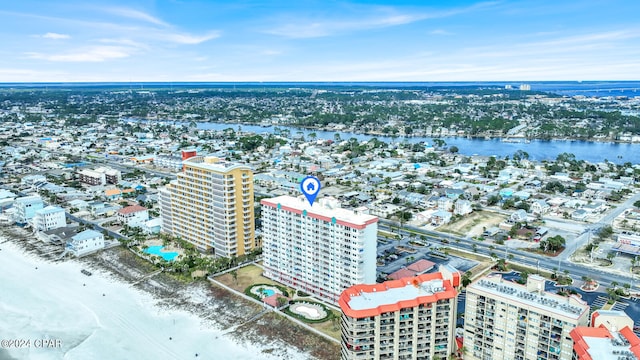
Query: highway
point(576, 271)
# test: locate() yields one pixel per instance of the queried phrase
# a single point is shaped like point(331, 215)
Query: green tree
point(466, 278)
point(553, 243)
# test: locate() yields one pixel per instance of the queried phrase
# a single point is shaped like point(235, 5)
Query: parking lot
point(397, 254)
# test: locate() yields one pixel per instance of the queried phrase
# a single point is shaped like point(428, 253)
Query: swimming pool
point(268, 292)
point(155, 250)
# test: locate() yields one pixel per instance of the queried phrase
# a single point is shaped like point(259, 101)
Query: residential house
point(540, 207)
point(152, 226)
point(440, 217)
point(580, 215)
point(85, 242)
point(51, 217)
point(445, 204)
point(26, 208)
point(78, 204)
point(113, 194)
point(462, 207)
point(518, 216)
point(6, 199)
point(59, 235)
point(595, 207)
point(133, 216)
point(506, 193)
point(453, 193)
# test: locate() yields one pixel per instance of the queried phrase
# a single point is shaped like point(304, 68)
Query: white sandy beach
point(50, 302)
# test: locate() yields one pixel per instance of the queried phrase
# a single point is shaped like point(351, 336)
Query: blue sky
point(362, 40)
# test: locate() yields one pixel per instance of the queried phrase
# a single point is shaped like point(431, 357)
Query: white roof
point(325, 207)
point(372, 300)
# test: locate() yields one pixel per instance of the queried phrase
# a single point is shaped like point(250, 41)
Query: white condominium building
point(506, 320)
point(320, 249)
point(409, 318)
point(210, 205)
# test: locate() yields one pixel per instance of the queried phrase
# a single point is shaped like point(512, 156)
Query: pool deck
point(308, 310)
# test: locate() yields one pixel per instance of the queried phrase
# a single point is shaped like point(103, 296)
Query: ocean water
point(97, 317)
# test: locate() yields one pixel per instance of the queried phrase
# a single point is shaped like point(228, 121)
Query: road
point(590, 229)
point(576, 271)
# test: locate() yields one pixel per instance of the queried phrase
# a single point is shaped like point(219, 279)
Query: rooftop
point(85, 235)
point(601, 343)
point(327, 209)
point(50, 210)
point(371, 300)
point(29, 199)
point(214, 164)
point(571, 307)
point(131, 209)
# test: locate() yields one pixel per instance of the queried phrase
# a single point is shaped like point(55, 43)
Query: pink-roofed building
point(402, 273)
point(273, 299)
point(421, 266)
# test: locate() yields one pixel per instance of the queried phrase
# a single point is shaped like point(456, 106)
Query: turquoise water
point(268, 292)
point(155, 250)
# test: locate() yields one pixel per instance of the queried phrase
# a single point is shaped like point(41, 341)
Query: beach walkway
point(145, 277)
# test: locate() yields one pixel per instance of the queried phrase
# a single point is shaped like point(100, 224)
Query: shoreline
point(375, 134)
point(208, 313)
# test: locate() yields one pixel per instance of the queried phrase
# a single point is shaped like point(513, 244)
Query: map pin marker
point(310, 187)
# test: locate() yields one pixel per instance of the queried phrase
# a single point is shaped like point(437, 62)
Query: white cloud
point(55, 36)
point(90, 54)
point(311, 29)
point(136, 14)
point(188, 39)
point(440, 32)
point(125, 42)
point(375, 17)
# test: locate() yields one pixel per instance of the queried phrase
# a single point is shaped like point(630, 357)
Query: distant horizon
point(70, 41)
point(508, 82)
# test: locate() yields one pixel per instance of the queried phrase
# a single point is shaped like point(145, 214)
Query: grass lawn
point(473, 224)
point(328, 327)
point(247, 275)
point(466, 255)
point(386, 234)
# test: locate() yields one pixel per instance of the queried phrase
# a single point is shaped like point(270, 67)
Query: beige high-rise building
point(506, 320)
point(409, 318)
point(210, 205)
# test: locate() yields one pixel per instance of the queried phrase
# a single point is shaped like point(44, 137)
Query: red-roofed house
point(134, 215)
point(402, 273)
point(421, 266)
point(417, 268)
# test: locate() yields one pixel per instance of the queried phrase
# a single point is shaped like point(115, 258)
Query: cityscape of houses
point(371, 247)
